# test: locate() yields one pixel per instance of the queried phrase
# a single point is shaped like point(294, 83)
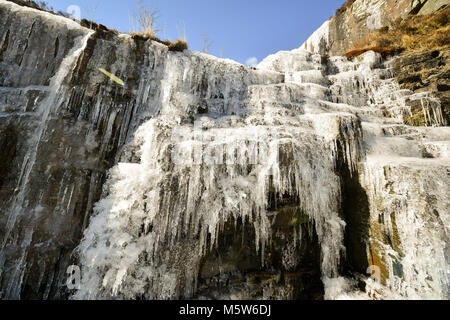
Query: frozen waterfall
point(195, 171)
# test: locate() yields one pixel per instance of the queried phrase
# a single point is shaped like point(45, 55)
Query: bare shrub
point(144, 21)
point(206, 43)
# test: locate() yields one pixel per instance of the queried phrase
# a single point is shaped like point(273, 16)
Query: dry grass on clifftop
point(144, 25)
point(412, 34)
point(178, 45)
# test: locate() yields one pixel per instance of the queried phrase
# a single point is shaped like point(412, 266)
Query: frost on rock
point(318, 42)
point(220, 152)
point(411, 198)
point(162, 213)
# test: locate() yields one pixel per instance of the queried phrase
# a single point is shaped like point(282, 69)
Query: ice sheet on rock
point(417, 263)
point(341, 288)
point(190, 182)
point(46, 108)
point(308, 76)
point(223, 140)
point(319, 39)
point(291, 61)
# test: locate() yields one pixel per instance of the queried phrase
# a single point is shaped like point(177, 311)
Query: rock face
point(428, 7)
point(336, 36)
point(425, 72)
point(38, 232)
point(202, 178)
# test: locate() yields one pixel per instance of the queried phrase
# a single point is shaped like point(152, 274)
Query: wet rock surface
point(425, 72)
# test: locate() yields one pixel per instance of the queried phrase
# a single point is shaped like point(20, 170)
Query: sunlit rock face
point(202, 178)
point(336, 35)
point(423, 72)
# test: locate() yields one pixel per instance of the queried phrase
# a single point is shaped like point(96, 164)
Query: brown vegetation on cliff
point(422, 43)
point(178, 45)
point(144, 26)
point(412, 34)
point(356, 52)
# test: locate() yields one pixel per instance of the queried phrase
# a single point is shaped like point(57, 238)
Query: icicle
point(198, 172)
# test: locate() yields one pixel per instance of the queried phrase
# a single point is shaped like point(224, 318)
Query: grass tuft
point(144, 26)
point(179, 45)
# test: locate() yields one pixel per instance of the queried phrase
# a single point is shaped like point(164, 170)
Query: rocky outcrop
point(428, 7)
point(362, 17)
point(425, 72)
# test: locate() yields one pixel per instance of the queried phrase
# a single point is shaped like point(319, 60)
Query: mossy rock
point(292, 216)
point(395, 236)
point(417, 120)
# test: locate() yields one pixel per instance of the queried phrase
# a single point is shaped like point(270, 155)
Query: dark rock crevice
point(55, 54)
point(4, 45)
point(418, 7)
point(355, 210)
point(8, 147)
point(290, 270)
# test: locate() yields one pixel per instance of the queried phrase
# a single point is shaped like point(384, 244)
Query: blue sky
point(241, 29)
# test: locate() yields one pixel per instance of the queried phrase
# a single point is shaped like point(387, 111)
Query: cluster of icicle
point(422, 273)
point(160, 216)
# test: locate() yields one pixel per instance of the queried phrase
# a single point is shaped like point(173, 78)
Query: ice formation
point(45, 110)
point(192, 177)
point(319, 39)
